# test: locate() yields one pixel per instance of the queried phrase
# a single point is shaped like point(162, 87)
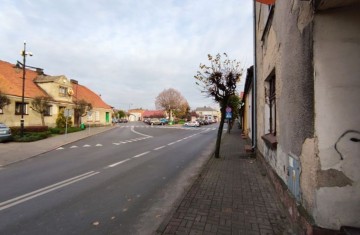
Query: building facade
point(307, 90)
point(61, 92)
point(208, 113)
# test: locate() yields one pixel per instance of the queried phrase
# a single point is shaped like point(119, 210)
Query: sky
point(128, 51)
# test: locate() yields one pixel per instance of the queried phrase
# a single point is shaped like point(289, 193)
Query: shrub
point(31, 136)
point(181, 121)
point(15, 130)
point(59, 131)
point(61, 120)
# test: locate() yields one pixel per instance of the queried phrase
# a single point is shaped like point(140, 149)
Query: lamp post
point(24, 53)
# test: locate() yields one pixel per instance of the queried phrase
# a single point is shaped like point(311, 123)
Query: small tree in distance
point(170, 100)
point(233, 103)
point(4, 100)
point(81, 108)
point(219, 81)
point(121, 114)
point(40, 104)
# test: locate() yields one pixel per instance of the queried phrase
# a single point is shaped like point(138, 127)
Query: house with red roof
point(62, 93)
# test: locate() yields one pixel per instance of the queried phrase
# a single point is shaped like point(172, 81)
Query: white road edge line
point(132, 129)
point(23, 198)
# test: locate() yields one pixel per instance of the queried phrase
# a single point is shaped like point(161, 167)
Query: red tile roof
point(11, 84)
point(11, 81)
point(83, 93)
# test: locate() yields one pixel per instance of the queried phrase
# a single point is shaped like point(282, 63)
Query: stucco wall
point(287, 51)
point(31, 119)
point(337, 95)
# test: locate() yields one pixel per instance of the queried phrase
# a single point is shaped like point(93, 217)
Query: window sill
point(270, 140)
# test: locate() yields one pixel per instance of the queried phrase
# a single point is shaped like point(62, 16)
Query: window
point(270, 112)
point(18, 106)
point(48, 111)
point(1, 111)
point(272, 104)
point(97, 116)
point(89, 117)
point(62, 91)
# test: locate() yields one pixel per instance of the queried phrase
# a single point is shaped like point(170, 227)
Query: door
point(107, 117)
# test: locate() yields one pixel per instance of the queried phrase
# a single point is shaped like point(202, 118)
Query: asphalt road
point(124, 181)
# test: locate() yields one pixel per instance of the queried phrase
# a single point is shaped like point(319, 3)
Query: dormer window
point(63, 91)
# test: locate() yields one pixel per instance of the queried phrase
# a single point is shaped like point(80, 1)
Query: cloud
point(128, 51)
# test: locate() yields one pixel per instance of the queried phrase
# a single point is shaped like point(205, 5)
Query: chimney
point(40, 71)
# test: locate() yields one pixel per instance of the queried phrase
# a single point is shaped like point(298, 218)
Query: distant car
point(164, 121)
point(5, 133)
point(201, 121)
point(192, 123)
point(155, 121)
point(123, 120)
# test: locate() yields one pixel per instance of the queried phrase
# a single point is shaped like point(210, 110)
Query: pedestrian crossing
point(143, 137)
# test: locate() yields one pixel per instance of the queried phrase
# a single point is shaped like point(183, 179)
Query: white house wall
point(337, 96)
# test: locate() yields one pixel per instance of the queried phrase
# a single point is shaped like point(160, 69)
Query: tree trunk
point(42, 119)
point(220, 130)
point(230, 124)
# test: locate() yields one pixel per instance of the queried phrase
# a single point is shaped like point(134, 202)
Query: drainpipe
point(254, 93)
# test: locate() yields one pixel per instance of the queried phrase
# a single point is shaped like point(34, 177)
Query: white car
point(193, 123)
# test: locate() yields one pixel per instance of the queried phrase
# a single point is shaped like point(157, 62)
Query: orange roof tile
point(11, 81)
point(83, 93)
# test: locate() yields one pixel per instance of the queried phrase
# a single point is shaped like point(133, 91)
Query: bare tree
point(4, 100)
point(81, 108)
point(40, 104)
point(219, 81)
point(170, 100)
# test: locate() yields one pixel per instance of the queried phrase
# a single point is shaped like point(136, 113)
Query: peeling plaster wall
point(310, 165)
point(337, 122)
point(287, 49)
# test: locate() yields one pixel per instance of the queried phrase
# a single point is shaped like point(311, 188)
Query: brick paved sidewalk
point(231, 196)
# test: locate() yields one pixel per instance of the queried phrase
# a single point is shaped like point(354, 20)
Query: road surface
point(123, 181)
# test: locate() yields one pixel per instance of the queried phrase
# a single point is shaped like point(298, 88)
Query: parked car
point(164, 121)
point(192, 123)
point(5, 133)
point(123, 120)
point(200, 121)
point(155, 121)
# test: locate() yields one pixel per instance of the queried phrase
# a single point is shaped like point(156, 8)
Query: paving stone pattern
point(231, 196)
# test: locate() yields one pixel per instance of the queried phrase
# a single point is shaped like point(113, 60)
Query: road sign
point(228, 115)
point(68, 112)
point(228, 110)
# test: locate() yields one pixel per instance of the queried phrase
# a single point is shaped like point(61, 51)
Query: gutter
point(254, 92)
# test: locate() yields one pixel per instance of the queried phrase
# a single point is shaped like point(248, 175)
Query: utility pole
point(24, 54)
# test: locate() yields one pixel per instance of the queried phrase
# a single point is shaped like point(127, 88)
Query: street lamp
point(24, 53)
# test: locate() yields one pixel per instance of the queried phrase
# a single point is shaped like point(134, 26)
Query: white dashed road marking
point(160, 147)
point(141, 154)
